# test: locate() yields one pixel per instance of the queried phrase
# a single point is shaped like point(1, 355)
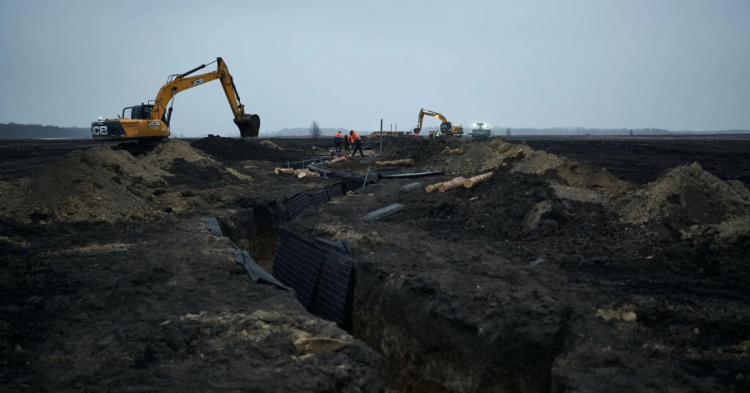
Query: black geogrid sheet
point(300, 201)
point(321, 273)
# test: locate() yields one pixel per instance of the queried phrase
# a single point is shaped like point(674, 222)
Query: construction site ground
point(581, 265)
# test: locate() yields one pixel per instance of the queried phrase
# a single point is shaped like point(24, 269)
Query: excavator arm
point(248, 124)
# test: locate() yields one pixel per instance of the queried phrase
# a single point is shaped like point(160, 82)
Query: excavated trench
point(527, 284)
point(423, 334)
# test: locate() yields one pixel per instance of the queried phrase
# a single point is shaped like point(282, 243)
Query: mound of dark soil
point(200, 174)
point(93, 185)
point(102, 185)
point(417, 148)
point(518, 212)
point(237, 149)
point(685, 196)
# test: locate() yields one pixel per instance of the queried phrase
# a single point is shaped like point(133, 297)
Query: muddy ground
point(553, 275)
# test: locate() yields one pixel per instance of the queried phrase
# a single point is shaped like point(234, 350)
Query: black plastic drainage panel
point(320, 271)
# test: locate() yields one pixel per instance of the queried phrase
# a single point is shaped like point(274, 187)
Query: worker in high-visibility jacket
point(357, 140)
point(338, 139)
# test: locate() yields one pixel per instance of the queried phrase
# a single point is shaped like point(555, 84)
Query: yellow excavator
point(446, 128)
point(150, 122)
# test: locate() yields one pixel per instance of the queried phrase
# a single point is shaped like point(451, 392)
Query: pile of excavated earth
point(550, 275)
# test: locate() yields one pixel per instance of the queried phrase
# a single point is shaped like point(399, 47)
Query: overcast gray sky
point(673, 64)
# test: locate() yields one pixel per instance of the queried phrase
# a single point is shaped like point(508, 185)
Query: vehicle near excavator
point(150, 122)
point(446, 128)
point(480, 132)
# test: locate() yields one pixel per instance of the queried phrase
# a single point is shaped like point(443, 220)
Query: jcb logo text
point(99, 130)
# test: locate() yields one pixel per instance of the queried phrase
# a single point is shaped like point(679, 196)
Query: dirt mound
point(537, 162)
point(509, 206)
point(271, 145)
point(480, 157)
point(512, 205)
point(236, 149)
point(283, 143)
point(733, 232)
point(102, 185)
point(204, 174)
point(571, 180)
point(191, 166)
point(166, 153)
point(684, 196)
point(98, 185)
point(453, 156)
point(587, 177)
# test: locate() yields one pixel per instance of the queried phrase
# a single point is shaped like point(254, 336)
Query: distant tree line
point(511, 131)
point(35, 131)
point(304, 131)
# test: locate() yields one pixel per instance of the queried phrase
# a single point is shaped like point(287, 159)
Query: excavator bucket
point(249, 126)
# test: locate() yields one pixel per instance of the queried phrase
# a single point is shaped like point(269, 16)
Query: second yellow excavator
point(150, 122)
point(446, 128)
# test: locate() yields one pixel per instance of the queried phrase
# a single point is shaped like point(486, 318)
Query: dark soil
point(642, 159)
point(550, 276)
point(553, 294)
point(119, 286)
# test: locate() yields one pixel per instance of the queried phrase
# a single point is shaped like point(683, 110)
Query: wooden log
point(452, 184)
point(405, 161)
point(284, 171)
point(473, 181)
point(336, 160)
point(305, 174)
point(453, 151)
point(433, 187)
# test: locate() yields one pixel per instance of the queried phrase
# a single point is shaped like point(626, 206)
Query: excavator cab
point(138, 112)
point(445, 128)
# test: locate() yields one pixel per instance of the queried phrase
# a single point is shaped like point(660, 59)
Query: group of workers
point(354, 139)
point(432, 134)
point(348, 140)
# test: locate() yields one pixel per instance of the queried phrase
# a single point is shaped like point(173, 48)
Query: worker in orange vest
point(357, 140)
point(337, 140)
point(432, 134)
